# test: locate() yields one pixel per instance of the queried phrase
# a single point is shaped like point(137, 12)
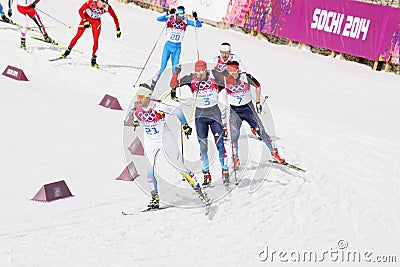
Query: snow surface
point(335, 118)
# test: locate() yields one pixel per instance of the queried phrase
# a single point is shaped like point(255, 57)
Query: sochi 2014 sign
point(350, 27)
point(335, 22)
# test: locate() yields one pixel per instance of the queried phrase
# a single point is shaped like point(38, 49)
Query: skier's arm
point(196, 24)
point(114, 16)
point(185, 80)
point(163, 18)
point(253, 81)
point(82, 10)
point(168, 109)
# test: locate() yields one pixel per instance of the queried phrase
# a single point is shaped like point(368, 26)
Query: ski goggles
point(180, 13)
point(199, 73)
point(142, 96)
point(104, 1)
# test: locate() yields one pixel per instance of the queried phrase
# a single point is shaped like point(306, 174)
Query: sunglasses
point(141, 96)
point(199, 73)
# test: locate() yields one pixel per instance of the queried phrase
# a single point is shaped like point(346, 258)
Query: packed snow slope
point(337, 119)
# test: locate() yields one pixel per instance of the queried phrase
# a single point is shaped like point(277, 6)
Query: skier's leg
point(251, 117)
point(24, 21)
point(167, 51)
point(176, 55)
point(78, 35)
point(202, 136)
point(36, 18)
point(235, 124)
point(218, 132)
point(151, 150)
point(96, 29)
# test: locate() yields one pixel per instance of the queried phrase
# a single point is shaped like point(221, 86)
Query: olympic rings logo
point(146, 116)
point(236, 88)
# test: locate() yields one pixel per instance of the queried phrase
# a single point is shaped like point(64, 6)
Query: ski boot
point(203, 196)
point(23, 43)
point(225, 177)
point(153, 84)
point(276, 156)
point(47, 39)
point(93, 62)
point(154, 202)
point(66, 53)
point(236, 162)
point(5, 19)
point(173, 94)
point(207, 179)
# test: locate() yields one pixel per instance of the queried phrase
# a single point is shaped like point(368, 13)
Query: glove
point(178, 69)
point(118, 32)
point(187, 130)
point(9, 12)
point(171, 11)
point(258, 106)
point(33, 5)
point(194, 14)
point(135, 124)
point(225, 73)
point(86, 24)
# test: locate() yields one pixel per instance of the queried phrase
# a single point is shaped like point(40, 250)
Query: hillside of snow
point(336, 119)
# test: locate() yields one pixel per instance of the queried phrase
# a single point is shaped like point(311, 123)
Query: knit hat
point(200, 65)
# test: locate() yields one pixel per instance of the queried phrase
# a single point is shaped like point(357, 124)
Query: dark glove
point(10, 12)
point(135, 124)
point(171, 11)
point(258, 106)
point(225, 73)
point(194, 14)
point(33, 5)
point(187, 130)
point(178, 69)
point(86, 24)
point(118, 32)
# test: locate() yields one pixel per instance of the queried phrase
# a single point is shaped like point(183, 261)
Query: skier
point(220, 62)
point(225, 56)
point(26, 8)
point(205, 89)
point(3, 16)
point(176, 27)
point(152, 115)
point(242, 109)
point(90, 13)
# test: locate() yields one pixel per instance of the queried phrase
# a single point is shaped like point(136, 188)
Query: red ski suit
point(91, 12)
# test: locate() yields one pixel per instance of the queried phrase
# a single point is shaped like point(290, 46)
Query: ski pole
point(151, 52)
point(51, 17)
point(197, 40)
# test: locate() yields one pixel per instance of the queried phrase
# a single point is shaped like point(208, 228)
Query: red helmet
point(200, 65)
